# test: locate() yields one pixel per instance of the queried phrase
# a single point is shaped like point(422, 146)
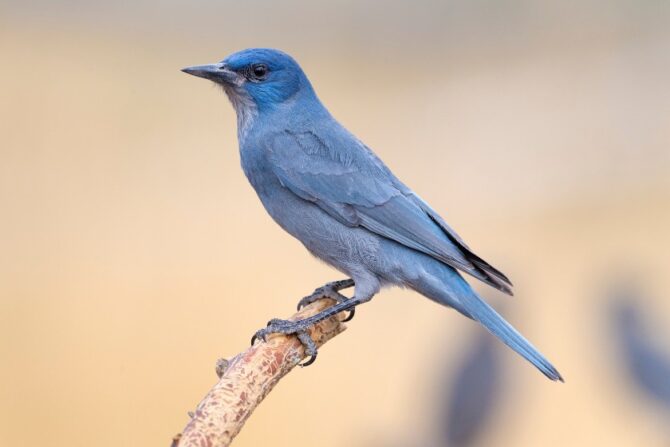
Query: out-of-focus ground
point(133, 253)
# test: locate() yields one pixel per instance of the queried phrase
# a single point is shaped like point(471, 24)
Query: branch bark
point(247, 378)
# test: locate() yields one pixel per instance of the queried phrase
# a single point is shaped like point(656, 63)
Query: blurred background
point(133, 253)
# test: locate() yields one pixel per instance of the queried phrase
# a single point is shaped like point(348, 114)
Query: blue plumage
point(331, 192)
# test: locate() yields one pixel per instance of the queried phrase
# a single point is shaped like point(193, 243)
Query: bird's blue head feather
point(268, 76)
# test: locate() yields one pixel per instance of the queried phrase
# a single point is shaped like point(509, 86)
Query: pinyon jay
point(331, 192)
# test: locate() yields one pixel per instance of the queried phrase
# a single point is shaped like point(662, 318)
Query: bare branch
point(247, 378)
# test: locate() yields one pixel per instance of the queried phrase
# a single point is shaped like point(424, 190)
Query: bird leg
point(299, 328)
point(330, 290)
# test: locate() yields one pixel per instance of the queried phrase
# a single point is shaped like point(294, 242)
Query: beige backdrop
point(133, 253)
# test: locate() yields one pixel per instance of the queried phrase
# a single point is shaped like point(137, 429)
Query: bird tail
point(467, 302)
point(480, 311)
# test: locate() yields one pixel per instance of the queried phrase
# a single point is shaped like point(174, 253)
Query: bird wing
point(348, 181)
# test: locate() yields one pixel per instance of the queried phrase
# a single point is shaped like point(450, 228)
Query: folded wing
point(351, 184)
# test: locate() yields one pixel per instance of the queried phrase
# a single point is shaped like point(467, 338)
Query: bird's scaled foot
point(332, 291)
point(298, 328)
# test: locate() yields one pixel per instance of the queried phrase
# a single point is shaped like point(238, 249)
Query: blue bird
point(331, 192)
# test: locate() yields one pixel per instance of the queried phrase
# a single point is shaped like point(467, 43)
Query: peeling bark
point(247, 378)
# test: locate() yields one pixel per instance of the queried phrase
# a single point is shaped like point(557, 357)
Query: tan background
point(133, 253)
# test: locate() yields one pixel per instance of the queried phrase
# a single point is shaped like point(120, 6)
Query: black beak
point(214, 72)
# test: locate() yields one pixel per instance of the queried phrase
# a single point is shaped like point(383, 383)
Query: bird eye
point(259, 71)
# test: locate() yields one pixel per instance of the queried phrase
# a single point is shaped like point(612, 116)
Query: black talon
point(352, 312)
point(310, 347)
point(311, 360)
point(260, 334)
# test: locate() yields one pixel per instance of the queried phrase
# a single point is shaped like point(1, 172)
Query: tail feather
point(474, 307)
point(446, 286)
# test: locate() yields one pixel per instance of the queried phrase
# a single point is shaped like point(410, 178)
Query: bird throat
point(244, 106)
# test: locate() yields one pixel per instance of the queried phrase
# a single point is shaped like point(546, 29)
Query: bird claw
point(286, 327)
point(310, 348)
point(330, 290)
point(350, 317)
point(299, 328)
point(256, 336)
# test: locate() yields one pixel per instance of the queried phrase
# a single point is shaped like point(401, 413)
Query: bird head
point(257, 78)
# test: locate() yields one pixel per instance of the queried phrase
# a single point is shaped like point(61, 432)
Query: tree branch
point(247, 378)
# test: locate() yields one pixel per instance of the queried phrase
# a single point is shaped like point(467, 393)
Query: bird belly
point(348, 249)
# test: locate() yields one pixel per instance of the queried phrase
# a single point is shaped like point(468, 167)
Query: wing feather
point(351, 184)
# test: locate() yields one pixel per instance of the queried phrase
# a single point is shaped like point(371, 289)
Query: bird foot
point(298, 328)
point(330, 290)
